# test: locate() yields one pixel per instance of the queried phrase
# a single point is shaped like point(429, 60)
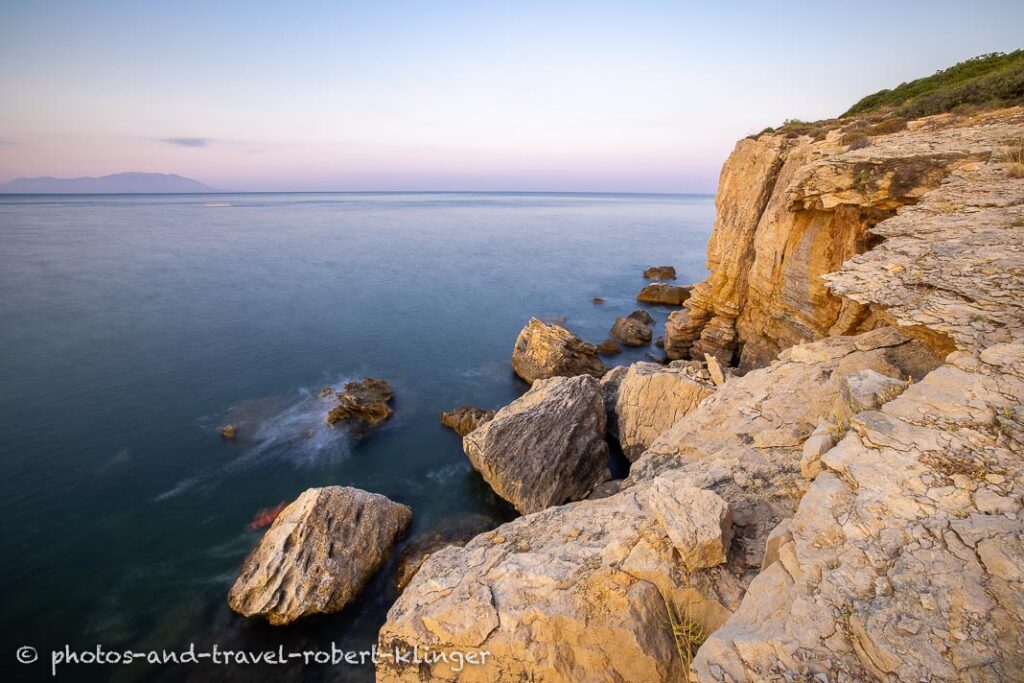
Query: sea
point(132, 327)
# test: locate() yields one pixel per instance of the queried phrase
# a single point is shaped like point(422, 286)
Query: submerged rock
point(634, 329)
point(545, 448)
point(660, 273)
point(229, 431)
point(597, 300)
point(318, 554)
point(465, 419)
point(651, 398)
point(544, 351)
point(609, 347)
point(661, 293)
point(364, 403)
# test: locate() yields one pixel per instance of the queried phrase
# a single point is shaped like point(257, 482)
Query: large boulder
point(546, 447)
point(634, 329)
point(362, 404)
point(318, 554)
point(579, 592)
point(544, 351)
point(662, 293)
point(651, 398)
point(465, 419)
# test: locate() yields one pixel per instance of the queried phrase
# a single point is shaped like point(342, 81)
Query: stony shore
point(825, 476)
point(848, 506)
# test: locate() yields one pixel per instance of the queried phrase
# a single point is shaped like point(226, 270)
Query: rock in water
point(660, 273)
point(229, 431)
point(661, 293)
point(318, 554)
point(364, 403)
point(634, 329)
point(546, 447)
point(651, 398)
point(609, 347)
point(465, 419)
point(544, 351)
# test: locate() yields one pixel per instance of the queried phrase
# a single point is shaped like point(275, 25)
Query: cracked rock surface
point(575, 592)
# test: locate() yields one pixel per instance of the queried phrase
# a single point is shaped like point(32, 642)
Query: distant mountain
point(118, 183)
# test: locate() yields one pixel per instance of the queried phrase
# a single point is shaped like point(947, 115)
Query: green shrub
point(992, 80)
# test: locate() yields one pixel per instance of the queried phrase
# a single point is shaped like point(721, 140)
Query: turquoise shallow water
point(133, 326)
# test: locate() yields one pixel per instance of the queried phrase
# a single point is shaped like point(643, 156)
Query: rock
point(608, 488)
point(818, 443)
point(678, 336)
point(318, 554)
point(796, 216)
point(892, 570)
point(745, 442)
point(779, 536)
point(465, 419)
point(651, 398)
point(868, 390)
point(363, 404)
point(417, 551)
point(544, 351)
point(661, 293)
point(597, 300)
point(229, 431)
point(660, 273)
point(609, 347)
point(546, 447)
point(660, 342)
point(715, 370)
point(634, 329)
point(576, 592)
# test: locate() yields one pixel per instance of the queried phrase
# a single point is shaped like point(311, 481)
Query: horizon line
point(222, 192)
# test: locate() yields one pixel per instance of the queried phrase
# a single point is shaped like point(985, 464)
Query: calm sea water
point(132, 327)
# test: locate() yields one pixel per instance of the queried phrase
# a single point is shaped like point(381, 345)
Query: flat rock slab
point(318, 554)
point(665, 294)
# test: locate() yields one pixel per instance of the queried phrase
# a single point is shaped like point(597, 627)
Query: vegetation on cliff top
point(985, 82)
point(992, 80)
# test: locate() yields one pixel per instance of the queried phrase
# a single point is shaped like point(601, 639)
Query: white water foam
point(292, 428)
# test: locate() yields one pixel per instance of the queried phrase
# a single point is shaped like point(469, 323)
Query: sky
point(629, 96)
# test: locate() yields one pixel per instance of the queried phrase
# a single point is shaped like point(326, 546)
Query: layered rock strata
point(790, 211)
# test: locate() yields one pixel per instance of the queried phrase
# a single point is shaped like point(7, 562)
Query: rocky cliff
point(850, 508)
point(792, 209)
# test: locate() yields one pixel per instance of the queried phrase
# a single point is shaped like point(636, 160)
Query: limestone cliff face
point(790, 211)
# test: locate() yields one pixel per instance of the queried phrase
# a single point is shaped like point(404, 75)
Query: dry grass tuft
point(687, 631)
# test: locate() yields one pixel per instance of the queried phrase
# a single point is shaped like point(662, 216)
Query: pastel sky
point(439, 95)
